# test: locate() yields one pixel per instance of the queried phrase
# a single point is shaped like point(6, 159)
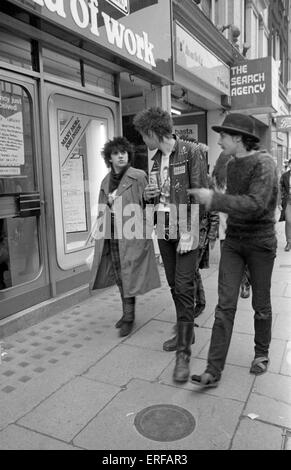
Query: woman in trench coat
point(124, 251)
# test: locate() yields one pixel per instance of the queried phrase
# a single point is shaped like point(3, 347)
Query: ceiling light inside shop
point(176, 111)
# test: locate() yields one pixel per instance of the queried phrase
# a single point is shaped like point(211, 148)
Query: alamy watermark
point(132, 221)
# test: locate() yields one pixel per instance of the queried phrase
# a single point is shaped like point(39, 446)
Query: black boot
point(171, 344)
point(128, 305)
point(118, 324)
point(185, 334)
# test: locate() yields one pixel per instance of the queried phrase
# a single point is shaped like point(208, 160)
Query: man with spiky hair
point(177, 241)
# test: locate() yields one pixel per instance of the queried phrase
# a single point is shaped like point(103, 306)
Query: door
point(23, 279)
point(79, 125)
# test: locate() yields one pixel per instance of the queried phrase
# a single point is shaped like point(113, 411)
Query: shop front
point(201, 93)
point(69, 74)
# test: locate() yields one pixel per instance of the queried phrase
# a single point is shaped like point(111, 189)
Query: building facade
point(70, 74)
point(73, 73)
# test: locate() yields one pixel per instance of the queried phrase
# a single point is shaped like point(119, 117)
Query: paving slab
point(113, 428)
point(127, 362)
point(241, 351)
point(236, 382)
point(282, 327)
point(286, 363)
point(274, 386)
point(287, 291)
point(254, 435)
point(281, 305)
point(18, 438)
point(70, 408)
point(269, 410)
point(151, 336)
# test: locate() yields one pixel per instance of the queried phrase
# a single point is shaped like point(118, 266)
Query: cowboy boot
point(185, 334)
point(171, 344)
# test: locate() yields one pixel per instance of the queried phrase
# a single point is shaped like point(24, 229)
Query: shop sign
point(187, 130)
point(254, 86)
point(122, 5)
point(11, 132)
point(141, 33)
point(192, 56)
point(283, 123)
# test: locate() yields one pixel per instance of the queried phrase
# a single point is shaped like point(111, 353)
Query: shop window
point(78, 131)
point(98, 80)
point(19, 241)
point(15, 50)
point(61, 66)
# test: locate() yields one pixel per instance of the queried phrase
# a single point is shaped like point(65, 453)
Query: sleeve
point(142, 183)
point(197, 168)
point(258, 197)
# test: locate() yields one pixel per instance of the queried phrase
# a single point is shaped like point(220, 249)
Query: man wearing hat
point(250, 202)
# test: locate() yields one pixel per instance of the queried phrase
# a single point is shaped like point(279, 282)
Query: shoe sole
point(201, 385)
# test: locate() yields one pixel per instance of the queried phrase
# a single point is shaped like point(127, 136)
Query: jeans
point(180, 271)
point(236, 254)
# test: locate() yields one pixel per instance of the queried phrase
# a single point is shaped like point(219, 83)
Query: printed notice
point(71, 135)
point(11, 130)
point(74, 206)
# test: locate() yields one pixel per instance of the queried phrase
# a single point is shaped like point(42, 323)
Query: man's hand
point(151, 191)
point(202, 196)
point(185, 244)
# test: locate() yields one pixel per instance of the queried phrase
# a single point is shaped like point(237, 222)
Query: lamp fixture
point(175, 111)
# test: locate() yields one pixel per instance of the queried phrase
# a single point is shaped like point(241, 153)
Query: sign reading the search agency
point(254, 85)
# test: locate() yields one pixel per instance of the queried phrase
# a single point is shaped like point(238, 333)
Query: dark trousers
point(236, 254)
point(180, 271)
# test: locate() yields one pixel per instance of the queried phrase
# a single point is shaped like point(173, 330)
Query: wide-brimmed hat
point(238, 124)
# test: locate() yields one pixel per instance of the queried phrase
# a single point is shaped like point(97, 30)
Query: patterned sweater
point(251, 197)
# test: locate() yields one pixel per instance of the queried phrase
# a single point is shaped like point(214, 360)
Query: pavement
point(70, 382)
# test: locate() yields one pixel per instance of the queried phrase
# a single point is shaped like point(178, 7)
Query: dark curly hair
point(154, 119)
point(249, 142)
point(118, 143)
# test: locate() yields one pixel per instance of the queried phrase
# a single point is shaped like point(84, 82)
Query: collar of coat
point(126, 181)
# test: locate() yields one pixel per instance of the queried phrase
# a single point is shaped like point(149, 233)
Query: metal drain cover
point(164, 423)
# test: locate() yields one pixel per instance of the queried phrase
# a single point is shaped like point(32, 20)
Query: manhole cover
point(164, 423)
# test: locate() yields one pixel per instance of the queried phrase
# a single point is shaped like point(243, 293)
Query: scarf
point(115, 178)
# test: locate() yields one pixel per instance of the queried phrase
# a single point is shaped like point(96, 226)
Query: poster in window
point(11, 130)
point(73, 193)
